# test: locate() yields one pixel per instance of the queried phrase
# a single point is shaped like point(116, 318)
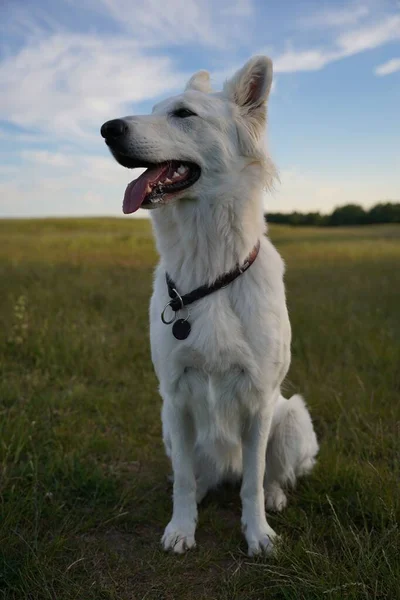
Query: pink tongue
point(135, 193)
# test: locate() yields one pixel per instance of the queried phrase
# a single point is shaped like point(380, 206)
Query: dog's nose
point(113, 128)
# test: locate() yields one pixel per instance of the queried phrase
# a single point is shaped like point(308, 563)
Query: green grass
point(84, 495)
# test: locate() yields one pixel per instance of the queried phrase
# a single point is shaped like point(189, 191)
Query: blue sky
point(67, 66)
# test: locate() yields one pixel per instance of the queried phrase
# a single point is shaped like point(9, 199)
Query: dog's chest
point(216, 340)
point(234, 330)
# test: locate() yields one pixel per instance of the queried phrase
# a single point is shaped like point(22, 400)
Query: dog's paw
point(275, 498)
point(260, 539)
point(178, 537)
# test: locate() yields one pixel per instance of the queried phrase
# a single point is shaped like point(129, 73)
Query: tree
point(350, 214)
point(385, 212)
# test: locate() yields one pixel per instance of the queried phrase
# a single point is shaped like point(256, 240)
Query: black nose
point(113, 128)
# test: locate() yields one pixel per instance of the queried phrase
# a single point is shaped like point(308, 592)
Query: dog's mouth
point(158, 184)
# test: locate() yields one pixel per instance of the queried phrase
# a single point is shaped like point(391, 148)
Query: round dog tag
point(181, 329)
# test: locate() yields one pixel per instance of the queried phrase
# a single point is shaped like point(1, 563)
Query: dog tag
point(181, 329)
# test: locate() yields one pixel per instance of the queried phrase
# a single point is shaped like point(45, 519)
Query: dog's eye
point(182, 113)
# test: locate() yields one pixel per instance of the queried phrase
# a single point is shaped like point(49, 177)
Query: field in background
point(84, 495)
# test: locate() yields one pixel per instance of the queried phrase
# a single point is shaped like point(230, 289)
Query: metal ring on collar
point(163, 315)
point(179, 297)
point(188, 313)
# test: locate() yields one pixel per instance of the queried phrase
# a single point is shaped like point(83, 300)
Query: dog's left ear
point(249, 88)
point(200, 82)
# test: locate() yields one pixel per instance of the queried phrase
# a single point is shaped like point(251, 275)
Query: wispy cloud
point(340, 17)
point(50, 159)
point(178, 22)
point(63, 183)
point(96, 169)
point(68, 84)
point(344, 45)
point(370, 37)
point(389, 67)
point(303, 60)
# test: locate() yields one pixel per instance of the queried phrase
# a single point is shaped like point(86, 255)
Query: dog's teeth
point(168, 180)
point(182, 170)
point(175, 175)
point(148, 189)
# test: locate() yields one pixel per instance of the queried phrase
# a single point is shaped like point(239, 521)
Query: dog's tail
point(292, 447)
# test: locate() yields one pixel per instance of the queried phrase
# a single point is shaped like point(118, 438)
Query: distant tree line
point(350, 214)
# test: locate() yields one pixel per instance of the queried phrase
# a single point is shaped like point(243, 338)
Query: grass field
point(84, 491)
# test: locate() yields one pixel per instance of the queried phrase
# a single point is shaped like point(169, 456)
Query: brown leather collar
point(177, 301)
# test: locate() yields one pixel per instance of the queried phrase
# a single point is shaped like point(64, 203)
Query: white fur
point(221, 386)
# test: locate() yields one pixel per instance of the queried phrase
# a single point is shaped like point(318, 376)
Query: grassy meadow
point(84, 493)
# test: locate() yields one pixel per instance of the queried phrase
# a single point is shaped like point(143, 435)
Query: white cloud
point(96, 169)
point(389, 67)
point(346, 44)
point(370, 37)
point(25, 137)
point(349, 15)
point(63, 184)
point(69, 84)
point(44, 157)
point(306, 60)
point(59, 197)
point(178, 22)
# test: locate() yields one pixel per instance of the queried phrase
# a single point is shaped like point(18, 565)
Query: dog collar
point(181, 327)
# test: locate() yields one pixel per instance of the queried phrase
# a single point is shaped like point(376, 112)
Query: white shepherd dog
point(219, 327)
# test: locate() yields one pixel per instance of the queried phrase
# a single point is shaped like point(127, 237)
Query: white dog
point(222, 361)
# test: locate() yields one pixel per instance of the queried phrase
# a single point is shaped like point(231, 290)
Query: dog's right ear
point(250, 86)
point(200, 82)
point(249, 89)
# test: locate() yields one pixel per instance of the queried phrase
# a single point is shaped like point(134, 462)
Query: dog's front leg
point(259, 535)
point(179, 533)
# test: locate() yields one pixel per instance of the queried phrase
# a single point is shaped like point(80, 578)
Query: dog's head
point(194, 140)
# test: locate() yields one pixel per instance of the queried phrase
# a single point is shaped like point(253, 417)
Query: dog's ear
point(200, 81)
point(249, 88)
